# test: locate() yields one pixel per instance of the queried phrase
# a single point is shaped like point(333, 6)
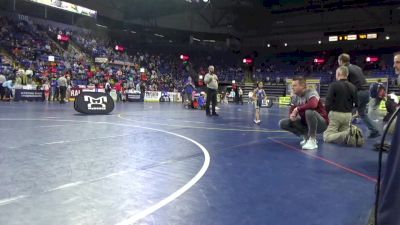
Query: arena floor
point(161, 164)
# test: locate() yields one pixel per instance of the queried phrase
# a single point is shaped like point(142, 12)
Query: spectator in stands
point(396, 66)
point(377, 93)
point(340, 102)
point(307, 115)
point(357, 78)
point(211, 80)
point(62, 84)
point(2, 89)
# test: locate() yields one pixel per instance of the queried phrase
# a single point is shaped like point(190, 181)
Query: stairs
point(395, 89)
point(323, 90)
point(248, 87)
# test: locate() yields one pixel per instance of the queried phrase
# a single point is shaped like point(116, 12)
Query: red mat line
point(358, 173)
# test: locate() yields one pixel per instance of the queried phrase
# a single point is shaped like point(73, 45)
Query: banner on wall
point(74, 92)
point(94, 103)
point(175, 96)
point(152, 96)
point(29, 95)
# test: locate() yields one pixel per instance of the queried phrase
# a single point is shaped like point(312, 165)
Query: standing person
point(240, 95)
point(307, 115)
point(142, 90)
point(118, 89)
point(258, 95)
point(211, 80)
point(340, 102)
point(62, 84)
point(2, 89)
point(357, 78)
point(108, 87)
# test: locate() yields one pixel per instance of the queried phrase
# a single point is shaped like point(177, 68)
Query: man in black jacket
point(340, 102)
point(357, 78)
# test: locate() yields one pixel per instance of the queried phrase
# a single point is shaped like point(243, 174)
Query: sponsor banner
point(29, 95)
point(74, 92)
point(133, 97)
point(122, 63)
point(285, 100)
point(152, 96)
point(175, 96)
point(100, 60)
point(94, 103)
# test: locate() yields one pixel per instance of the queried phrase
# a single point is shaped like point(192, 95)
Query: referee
point(211, 80)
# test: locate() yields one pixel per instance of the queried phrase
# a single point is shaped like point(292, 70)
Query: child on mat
point(258, 96)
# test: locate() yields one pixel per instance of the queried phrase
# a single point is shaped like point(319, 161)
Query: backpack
point(355, 137)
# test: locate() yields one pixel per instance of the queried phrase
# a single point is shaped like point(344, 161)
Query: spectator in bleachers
point(340, 102)
point(396, 65)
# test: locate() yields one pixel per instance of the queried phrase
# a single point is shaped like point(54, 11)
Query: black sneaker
point(215, 114)
point(374, 135)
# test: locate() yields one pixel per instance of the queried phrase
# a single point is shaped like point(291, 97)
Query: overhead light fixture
point(387, 38)
point(319, 42)
point(206, 1)
point(212, 41)
point(268, 45)
point(170, 41)
point(99, 25)
point(133, 32)
point(195, 39)
point(159, 35)
point(285, 44)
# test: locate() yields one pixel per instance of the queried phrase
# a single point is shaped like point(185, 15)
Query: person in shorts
point(258, 96)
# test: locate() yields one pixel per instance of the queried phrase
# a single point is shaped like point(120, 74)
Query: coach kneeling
point(307, 115)
point(340, 102)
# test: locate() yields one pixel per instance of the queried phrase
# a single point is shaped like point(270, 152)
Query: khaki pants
point(338, 128)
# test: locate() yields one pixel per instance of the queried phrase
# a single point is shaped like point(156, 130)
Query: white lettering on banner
point(96, 103)
point(175, 96)
point(152, 96)
point(25, 94)
point(100, 60)
point(75, 92)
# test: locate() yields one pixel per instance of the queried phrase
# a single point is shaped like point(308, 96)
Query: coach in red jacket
point(307, 115)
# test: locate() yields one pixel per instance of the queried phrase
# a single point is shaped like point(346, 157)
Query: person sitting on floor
point(341, 100)
point(307, 115)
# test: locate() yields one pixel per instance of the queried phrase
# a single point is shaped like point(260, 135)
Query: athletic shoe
point(215, 114)
point(304, 141)
point(311, 144)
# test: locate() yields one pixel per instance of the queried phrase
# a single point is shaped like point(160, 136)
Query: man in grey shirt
point(211, 80)
point(62, 84)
